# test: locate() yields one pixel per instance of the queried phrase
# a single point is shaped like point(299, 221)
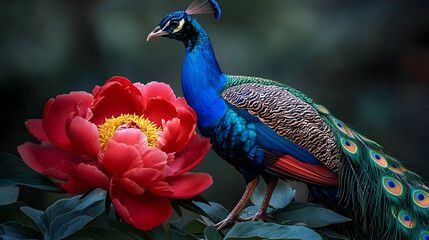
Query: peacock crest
point(204, 7)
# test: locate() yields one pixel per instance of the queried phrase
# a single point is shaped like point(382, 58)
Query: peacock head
point(180, 25)
point(176, 25)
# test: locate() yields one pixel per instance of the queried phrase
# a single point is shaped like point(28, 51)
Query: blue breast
point(234, 139)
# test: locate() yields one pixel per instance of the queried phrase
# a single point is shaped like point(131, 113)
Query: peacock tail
point(386, 200)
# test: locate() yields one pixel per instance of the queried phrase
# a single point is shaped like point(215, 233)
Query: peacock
point(269, 130)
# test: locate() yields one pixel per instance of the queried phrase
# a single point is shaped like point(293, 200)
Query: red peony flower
point(136, 141)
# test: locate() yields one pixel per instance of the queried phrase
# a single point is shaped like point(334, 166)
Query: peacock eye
point(174, 23)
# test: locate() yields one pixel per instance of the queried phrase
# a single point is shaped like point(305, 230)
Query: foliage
point(13, 171)
point(92, 216)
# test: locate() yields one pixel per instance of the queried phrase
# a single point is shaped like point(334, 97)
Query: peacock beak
point(156, 32)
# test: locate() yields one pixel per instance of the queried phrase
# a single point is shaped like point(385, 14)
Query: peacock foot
point(259, 216)
point(232, 220)
point(228, 221)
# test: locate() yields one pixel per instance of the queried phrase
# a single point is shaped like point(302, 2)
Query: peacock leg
point(261, 214)
point(233, 215)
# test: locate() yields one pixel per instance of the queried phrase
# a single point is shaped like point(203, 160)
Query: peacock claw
point(227, 222)
point(260, 217)
point(230, 220)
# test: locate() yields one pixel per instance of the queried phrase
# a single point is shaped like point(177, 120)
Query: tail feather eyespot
point(342, 127)
point(424, 235)
point(349, 146)
point(396, 169)
point(421, 198)
point(378, 158)
point(393, 186)
point(406, 220)
point(321, 109)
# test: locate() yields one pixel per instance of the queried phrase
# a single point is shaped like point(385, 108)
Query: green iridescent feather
point(365, 172)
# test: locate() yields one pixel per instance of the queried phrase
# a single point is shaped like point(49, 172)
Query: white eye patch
point(181, 23)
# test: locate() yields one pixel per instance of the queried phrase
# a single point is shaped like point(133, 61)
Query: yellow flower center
point(109, 127)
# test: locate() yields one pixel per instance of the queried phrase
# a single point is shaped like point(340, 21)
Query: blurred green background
point(366, 61)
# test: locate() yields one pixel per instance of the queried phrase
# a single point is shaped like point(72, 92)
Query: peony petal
point(190, 156)
point(155, 90)
point(58, 110)
point(84, 136)
point(124, 82)
point(161, 188)
point(143, 176)
point(181, 102)
point(49, 160)
point(35, 127)
point(143, 211)
point(159, 109)
point(131, 186)
point(150, 179)
point(119, 158)
point(189, 185)
point(118, 96)
point(54, 162)
point(130, 136)
point(152, 157)
point(177, 132)
point(96, 90)
point(167, 138)
point(75, 185)
point(188, 125)
point(92, 174)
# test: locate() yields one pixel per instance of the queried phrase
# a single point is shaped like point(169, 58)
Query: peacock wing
point(297, 141)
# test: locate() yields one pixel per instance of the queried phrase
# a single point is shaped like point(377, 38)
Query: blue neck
point(202, 79)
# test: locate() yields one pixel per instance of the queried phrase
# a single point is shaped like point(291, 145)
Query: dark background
point(366, 61)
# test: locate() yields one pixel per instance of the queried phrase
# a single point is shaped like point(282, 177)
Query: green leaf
point(195, 227)
point(248, 238)
point(125, 227)
point(263, 230)
point(310, 216)
point(191, 206)
point(249, 212)
point(200, 198)
point(177, 208)
point(215, 211)
point(108, 203)
point(331, 234)
point(166, 227)
point(176, 234)
point(9, 194)
point(211, 233)
point(16, 231)
point(76, 203)
point(281, 197)
point(38, 217)
point(67, 216)
point(94, 233)
point(299, 205)
point(13, 171)
point(12, 213)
